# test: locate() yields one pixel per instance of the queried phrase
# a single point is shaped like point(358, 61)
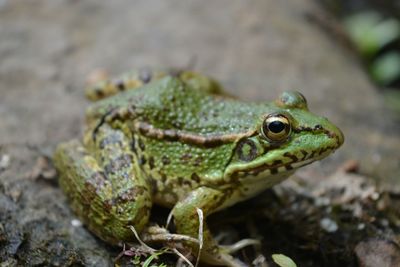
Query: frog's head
point(285, 138)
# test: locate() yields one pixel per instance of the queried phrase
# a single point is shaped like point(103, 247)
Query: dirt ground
point(256, 49)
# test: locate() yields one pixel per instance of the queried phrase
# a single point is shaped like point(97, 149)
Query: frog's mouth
point(258, 169)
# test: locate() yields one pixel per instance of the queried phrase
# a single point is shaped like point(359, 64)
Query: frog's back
point(168, 104)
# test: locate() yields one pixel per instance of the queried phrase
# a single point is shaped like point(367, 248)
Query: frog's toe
point(158, 234)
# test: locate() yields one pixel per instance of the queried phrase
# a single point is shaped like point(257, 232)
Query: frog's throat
point(150, 131)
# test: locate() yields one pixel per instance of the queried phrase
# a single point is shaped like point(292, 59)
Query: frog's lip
point(278, 167)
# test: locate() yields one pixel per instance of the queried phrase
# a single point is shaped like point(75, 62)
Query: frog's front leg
point(104, 187)
point(187, 222)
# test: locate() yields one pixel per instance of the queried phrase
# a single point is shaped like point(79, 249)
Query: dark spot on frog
point(304, 154)
point(153, 184)
point(291, 156)
point(129, 195)
point(246, 150)
point(151, 162)
point(274, 171)
point(142, 160)
point(186, 157)
point(108, 205)
point(165, 160)
point(133, 146)
point(285, 98)
point(177, 125)
point(163, 177)
point(145, 76)
point(90, 193)
point(109, 169)
point(171, 99)
point(132, 110)
point(195, 177)
point(277, 162)
point(318, 127)
point(111, 139)
point(120, 85)
point(123, 161)
point(197, 161)
point(99, 92)
point(288, 167)
point(180, 180)
point(141, 144)
point(234, 177)
point(187, 183)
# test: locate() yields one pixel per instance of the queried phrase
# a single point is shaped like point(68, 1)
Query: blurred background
point(344, 56)
point(373, 29)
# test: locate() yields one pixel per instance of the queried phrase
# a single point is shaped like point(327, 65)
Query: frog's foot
point(219, 255)
point(158, 234)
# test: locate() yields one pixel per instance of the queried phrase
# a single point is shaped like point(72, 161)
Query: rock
point(377, 252)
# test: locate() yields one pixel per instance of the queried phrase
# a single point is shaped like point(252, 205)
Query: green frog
point(177, 140)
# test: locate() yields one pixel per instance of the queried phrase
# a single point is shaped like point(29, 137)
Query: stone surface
point(255, 48)
point(374, 252)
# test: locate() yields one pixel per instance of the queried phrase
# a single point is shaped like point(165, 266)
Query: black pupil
point(276, 126)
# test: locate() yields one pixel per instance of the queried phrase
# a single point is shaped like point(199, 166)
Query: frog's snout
point(340, 137)
point(335, 133)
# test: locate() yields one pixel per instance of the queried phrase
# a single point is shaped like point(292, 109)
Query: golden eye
point(276, 127)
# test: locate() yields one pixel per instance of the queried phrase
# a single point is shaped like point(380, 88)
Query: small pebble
point(4, 161)
point(361, 226)
point(377, 252)
point(328, 225)
point(375, 196)
point(384, 222)
point(351, 166)
point(76, 223)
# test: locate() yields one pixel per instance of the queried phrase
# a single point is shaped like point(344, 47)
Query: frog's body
point(179, 143)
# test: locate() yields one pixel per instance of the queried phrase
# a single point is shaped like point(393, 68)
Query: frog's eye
point(276, 127)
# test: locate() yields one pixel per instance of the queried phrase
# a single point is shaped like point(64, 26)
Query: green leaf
point(370, 32)
point(152, 257)
point(386, 68)
point(283, 261)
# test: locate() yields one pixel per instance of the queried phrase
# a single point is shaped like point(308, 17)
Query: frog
point(178, 140)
